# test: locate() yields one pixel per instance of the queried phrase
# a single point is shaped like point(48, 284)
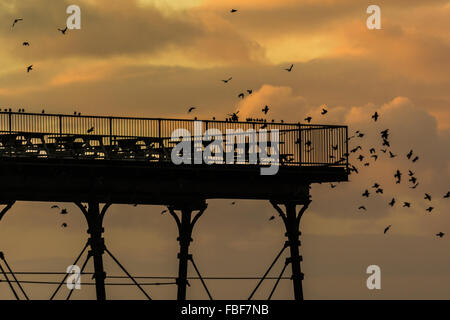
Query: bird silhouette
point(366, 193)
point(429, 209)
point(375, 185)
point(15, 21)
point(385, 134)
point(407, 204)
point(415, 159)
point(265, 109)
point(233, 10)
point(372, 150)
point(362, 208)
point(26, 44)
point(392, 155)
point(413, 180)
point(63, 31)
point(409, 155)
point(250, 91)
point(271, 218)
point(308, 119)
point(191, 109)
point(290, 68)
point(387, 228)
point(55, 207)
point(64, 225)
point(91, 129)
point(427, 197)
point(410, 173)
point(386, 143)
point(241, 95)
point(379, 190)
point(374, 156)
point(392, 203)
point(398, 175)
point(375, 116)
point(64, 211)
point(29, 68)
point(447, 195)
point(361, 157)
point(233, 203)
point(440, 234)
point(324, 111)
point(414, 186)
point(226, 81)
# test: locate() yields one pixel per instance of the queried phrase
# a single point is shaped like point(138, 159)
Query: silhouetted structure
point(119, 160)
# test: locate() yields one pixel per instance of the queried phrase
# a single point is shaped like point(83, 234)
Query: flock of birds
point(27, 44)
point(398, 174)
point(352, 169)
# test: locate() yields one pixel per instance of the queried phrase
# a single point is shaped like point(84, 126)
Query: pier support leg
point(185, 223)
point(94, 218)
point(292, 224)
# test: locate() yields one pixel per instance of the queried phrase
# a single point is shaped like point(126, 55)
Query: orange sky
point(157, 58)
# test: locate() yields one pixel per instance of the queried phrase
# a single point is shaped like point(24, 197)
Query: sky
point(155, 58)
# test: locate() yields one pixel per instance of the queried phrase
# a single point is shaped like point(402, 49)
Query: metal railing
point(37, 135)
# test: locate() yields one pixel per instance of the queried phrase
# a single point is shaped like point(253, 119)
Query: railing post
point(110, 131)
point(10, 122)
point(60, 125)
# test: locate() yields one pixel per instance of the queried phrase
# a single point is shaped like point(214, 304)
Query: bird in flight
point(407, 204)
point(250, 91)
point(290, 68)
point(398, 175)
point(241, 95)
point(308, 119)
point(15, 21)
point(414, 186)
point(415, 159)
point(375, 116)
point(391, 155)
point(447, 195)
point(409, 155)
point(26, 44)
point(226, 81)
point(29, 68)
point(63, 31)
point(427, 197)
point(233, 203)
point(55, 207)
point(233, 10)
point(324, 111)
point(429, 209)
point(440, 234)
point(271, 218)
point(385, 134)
point(392, 202)
point(91, 129)
point(64, 211)
point(191, 109)
point(387, 228)
point(265, 109)
point(366, 193)
point(64, 225)
point(362, 208)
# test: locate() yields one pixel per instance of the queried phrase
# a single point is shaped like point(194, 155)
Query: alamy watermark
point(374, 280)
point(234, 147)
point(74, 279)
